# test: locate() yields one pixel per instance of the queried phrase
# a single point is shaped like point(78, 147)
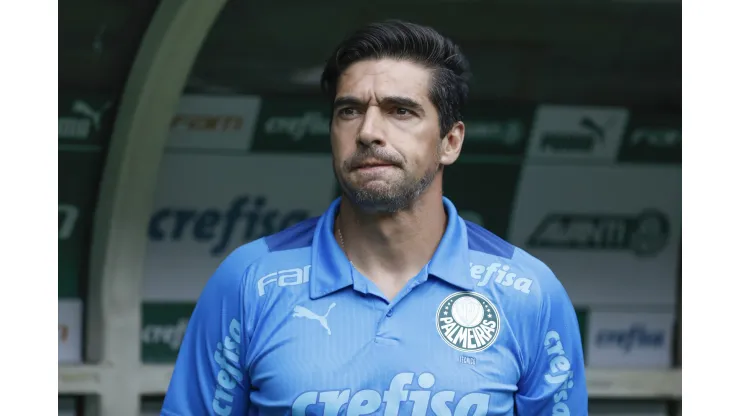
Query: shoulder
point(508, 266)
point(548, 284)
point(281, 247)
point(484, 241)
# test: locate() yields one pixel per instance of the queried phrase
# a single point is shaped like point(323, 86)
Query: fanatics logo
point(468, 322)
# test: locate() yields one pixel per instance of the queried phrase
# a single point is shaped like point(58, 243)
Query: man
point(389, 303)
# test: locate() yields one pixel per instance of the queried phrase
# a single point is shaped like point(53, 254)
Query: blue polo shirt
point(287, 326)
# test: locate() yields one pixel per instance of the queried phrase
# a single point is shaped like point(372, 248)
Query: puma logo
point(301, 312)
point(83, 108)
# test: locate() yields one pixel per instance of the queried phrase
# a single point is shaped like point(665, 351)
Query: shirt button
point(390, 312)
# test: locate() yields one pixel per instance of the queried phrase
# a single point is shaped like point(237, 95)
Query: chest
point(349, 353)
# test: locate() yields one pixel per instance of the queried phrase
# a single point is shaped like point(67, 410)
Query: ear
point(451, 145)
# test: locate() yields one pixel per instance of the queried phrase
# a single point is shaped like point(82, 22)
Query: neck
point(393, 246)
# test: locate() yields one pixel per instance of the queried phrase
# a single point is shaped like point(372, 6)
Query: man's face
point(385, 134)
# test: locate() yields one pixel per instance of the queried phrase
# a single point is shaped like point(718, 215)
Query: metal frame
point(114, 371)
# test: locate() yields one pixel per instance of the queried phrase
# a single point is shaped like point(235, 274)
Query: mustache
point(361, 157)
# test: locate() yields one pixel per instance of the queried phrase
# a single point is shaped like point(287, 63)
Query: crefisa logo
point(468, 322)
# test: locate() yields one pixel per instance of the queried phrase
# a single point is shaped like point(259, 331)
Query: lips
point(373, 164)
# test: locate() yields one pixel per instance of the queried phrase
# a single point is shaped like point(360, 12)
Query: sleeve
point(209, 377)
point(555, 381)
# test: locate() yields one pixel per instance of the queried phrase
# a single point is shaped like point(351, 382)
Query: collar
point(331, 270)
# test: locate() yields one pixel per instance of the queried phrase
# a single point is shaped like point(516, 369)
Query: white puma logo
point(83, 108)
point(301, 312)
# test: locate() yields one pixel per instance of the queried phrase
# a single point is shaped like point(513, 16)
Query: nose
point(372, 131)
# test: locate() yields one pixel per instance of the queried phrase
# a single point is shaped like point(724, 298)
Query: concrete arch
point(166, 55)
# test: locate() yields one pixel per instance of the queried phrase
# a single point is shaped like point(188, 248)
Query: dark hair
point(423, 45)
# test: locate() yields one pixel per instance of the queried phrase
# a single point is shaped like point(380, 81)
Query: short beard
point(393, 200)
point(396, 198)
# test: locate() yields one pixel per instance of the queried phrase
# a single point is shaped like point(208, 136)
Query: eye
point(403, 112)
point(347, 112)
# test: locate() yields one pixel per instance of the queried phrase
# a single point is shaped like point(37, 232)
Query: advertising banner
point(79, 174)
point(626, 408)
point(85, 124)
point(497, 130)
point(576, 134)
point(70, 331)
point(214, 123)
point(629, 339)
point(208, 205)
point(293, 125)
point(67, 406)
point(483, 193)
point(610, 233)
point(85, 120)
point(163, 329)
point(652, 139)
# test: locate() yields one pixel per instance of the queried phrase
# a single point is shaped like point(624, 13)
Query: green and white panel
point(609, 232)
point(639, 340)
point(67, 406)
point(289, 124)
point(85, 123)
point(203, 122)
point(70, 330)
point(627, 408)
point(576, 134)
point(209, 203)
point(483, 192)
point(496, 132)
point(652, 138)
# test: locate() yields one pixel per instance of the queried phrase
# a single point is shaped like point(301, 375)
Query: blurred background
point(572, 152)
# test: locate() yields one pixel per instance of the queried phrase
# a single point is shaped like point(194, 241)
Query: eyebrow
point(395, 100)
